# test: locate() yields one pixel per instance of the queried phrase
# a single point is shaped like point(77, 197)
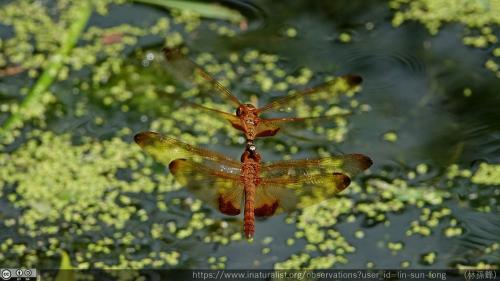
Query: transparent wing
point(212, 177)
point(231, 118)
point(194, 75)
point(289, 193)
point(327, 91)
point(165, 150)
point(220, 189)
point(288, 185)
point(270, 126)
point(350, 164)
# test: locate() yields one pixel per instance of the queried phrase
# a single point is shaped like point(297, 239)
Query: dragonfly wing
point(267, 128)
point(349, 164)
point(220, 189)
point(294, 192)
point(299, 183)
point(193, 75)
point(232, 119)
point(211, 176)
point(165, 150)
point(326, 92)
point(270, 126)
point(272, 197)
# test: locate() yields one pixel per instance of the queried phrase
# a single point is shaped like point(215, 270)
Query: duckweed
point(428, 258)
point(467, 92)
point(291, 32)
point(345, 37)
point(384, 197)
point(479, 265)
point(390, 137)
point(55, 177)
point(359, 234)
point(217, 262)
point(478, 17)
point(395, 246)
point(487, 174)
point(102, 48)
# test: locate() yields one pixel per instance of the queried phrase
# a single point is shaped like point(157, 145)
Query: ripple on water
point(389, 68)
point(481, 236)
point(254, 15)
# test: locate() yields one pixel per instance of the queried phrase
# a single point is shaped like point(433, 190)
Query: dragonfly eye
point(238, 111)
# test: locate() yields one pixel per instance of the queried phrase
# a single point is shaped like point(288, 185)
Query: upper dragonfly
point(264, 188)
point(247, 117)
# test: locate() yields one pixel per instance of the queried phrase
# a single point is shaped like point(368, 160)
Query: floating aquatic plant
point(478, 16)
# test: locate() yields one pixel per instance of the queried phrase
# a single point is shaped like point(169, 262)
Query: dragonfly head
point(245, 109)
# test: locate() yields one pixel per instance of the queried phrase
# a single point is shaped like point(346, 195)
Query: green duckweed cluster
point(101, 48)
point(65, 193)
point(375, 201)
point(478, 16)
point(65, 189)
point(487, 174)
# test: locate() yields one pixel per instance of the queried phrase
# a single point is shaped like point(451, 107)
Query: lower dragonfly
point(264, 189)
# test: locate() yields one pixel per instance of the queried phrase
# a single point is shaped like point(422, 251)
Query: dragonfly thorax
point(250, 155)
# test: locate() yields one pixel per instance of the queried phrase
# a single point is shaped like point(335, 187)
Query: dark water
point(413, 83)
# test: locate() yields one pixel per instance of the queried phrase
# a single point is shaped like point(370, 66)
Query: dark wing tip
point(175, 165)
point(342, 181)
point(266, 210)
point(227, 207)
point(353, 79)
point(268, 133)
point(364, 161)
point(143, 137)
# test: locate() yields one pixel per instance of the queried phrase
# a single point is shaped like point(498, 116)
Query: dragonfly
point(247, 117)
point(261, 189)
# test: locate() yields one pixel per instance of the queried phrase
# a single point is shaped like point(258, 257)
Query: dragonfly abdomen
point(249, 220)
point(250, 179)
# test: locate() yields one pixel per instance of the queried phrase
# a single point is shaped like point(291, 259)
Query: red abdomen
point(249, 220)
